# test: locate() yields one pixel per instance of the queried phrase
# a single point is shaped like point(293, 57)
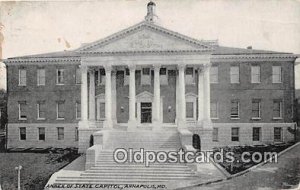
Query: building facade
point(148, 78)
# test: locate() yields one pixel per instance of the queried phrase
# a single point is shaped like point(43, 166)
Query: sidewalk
point(282, 175)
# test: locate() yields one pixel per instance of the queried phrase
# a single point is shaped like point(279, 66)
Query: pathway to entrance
point(282, 175)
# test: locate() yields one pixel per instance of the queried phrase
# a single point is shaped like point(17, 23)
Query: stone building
point(147, 78)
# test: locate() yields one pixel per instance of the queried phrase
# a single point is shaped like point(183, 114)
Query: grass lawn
point(37, 168)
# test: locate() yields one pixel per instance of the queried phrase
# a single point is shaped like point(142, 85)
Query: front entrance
point(146, 112)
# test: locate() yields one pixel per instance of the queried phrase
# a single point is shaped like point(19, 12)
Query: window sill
point(60, 119)
point(214, 118)
point(277, 118)
point(255, 118)
point(234, 118)
point(60, 84)
point(41, 119)
point(40, 85)
point(235, 83)
point(22, 119)
point(255, 82)
point(276, 82)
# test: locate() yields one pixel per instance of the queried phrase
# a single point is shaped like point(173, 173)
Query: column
point(92, 104)
point(108, 97)
point(156, 98)
point(84, 94)
point(206, 100)
point(132, 101)
point(182, 102)
point(114, 95)
point(200, 95)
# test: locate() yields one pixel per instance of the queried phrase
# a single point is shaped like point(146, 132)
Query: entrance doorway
point(146, 112)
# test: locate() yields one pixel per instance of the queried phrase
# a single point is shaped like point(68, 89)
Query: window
point(234, 74)
point(214, 74)
point(234, 134)
point(190, 110)
point(22, 133)
point(126, 77)
point(60, 76)
point(215, 134)
point(41, 77)
point(256, 134)
point(163, 76)
point(41, 110)
point(102, 110)
point(276, 74)
point(189, 75)
point(60, 133)
point(255, 74)
point(277, 134)
point(234, 109)
point(76, 133)
point(255, 109)
point(22, 110)
point(78, 75)
point(41, 133)
point(277, 110)
point(78, 110)
point(22, 77)
point(60, 110)
point(146, 77)
point(101, 77)
point(214, 110)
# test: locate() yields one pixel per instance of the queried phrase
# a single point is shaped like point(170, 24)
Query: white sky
point(39, 27)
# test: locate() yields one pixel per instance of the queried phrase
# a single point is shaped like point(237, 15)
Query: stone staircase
point(107, 171)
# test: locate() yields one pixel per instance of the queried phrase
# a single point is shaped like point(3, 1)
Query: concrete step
point(170, 170)
point(140, 174)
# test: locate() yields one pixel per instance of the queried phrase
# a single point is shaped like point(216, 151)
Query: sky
point(47, 26)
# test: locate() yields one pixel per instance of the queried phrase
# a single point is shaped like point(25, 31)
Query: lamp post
point(19, 176)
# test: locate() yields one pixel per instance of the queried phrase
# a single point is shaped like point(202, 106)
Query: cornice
point(253, 57)
point(42, 60)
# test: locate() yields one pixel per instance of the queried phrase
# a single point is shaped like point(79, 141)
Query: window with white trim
point(256, 133)
point(214, 74)
point(22, 131)
point(277, 134)
point(234, 74)
point(276, 74)
point(101, 77)
point(277, 109)
point(76, 134)
point(41, 110)
point(41, 77)
point(235, 134)
point(190, 110)
point(60, 133)
point(189, 75)
point(234, 109)
point(60, 109)
point(256, 109)
point(255, 74)
point(78, 110)
point(42, 133)
point(163, 76)
point(215, 134)
point(214, 110)
point(22, 110)
point(78, 75)
point(60, 76)
point(22, 77)
point(126, 76)
point(145, 76)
